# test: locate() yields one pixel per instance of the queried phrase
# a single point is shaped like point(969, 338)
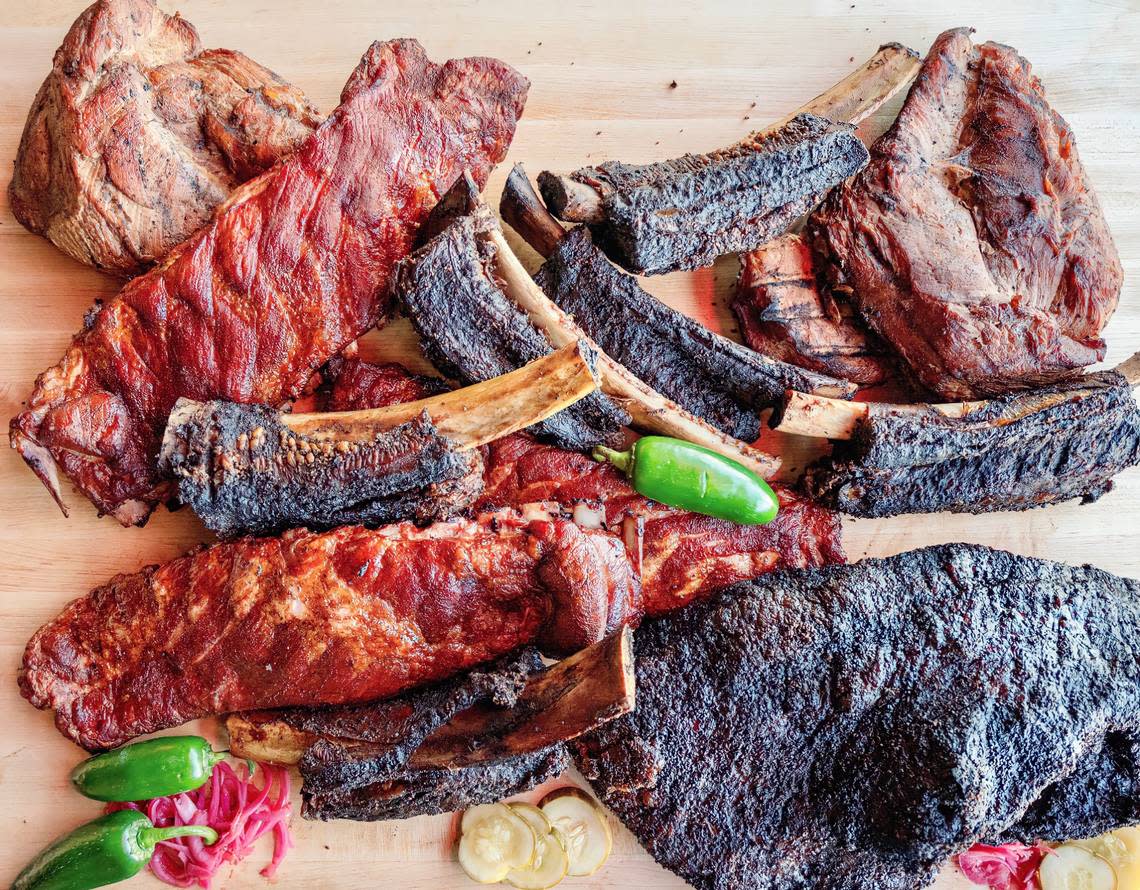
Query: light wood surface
point(602, 75)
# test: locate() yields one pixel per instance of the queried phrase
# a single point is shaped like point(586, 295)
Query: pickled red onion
point(1005, 867)
point(233, 805)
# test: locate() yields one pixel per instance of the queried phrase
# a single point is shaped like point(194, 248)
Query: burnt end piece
point(420, 792)
point(471, 331)
point(242, 471)
point(786, 313)
point(395, 728)
point(684, 213)
point(1020, 451)
point(710, 376)
point(854, 726)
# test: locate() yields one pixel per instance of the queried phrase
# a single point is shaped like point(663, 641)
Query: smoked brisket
point(852, 727)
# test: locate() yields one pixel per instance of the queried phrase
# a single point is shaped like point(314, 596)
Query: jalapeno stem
point(623, 460)
point(148, 837)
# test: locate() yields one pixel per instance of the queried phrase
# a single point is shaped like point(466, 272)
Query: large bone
point(852, 100)
point(825, 418)
point(568, 699)
point(649, 409)
point(247, 469)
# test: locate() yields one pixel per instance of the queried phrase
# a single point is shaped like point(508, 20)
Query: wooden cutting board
point(634, 80)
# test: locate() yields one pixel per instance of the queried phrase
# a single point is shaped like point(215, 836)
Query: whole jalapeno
point(154, 768)
point(106, 850)
point(681, 474)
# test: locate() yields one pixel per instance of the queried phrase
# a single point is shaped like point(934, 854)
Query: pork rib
point(852, 727)
point(973, 241)
point(346, 616)
point(293, 268)
point(138, 133)
point(786, 314)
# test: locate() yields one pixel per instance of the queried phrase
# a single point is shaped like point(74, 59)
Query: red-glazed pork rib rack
point(293, 268)
point(346, 616)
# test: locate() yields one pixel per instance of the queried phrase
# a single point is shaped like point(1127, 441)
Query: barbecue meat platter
point(420, 482)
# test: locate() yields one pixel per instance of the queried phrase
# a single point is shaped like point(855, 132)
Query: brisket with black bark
point(852, 727)
point(1013, 453)
point(684, 213)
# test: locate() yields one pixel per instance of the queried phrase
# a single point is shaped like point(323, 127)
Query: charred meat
point(710, 376)
point(291, 270)
point(787, 314)
point(973, 241)
point(684, 213)
point(260, 622)
point(139, 133)
point(1016, 452)
point(246, 469)
point(471, 331)
point(853, 727)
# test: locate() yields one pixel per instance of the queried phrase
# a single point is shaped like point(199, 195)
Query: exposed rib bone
point(825, 418)
point(852, 100)
point(572, 697)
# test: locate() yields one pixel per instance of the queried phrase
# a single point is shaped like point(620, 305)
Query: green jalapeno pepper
point(154, 768)
point(685, 475)
point(106, 850)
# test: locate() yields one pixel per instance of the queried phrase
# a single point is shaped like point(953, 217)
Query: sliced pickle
point(550, 865)
point(582, 826)
point(493, 840)
point(1070, 867)
point(1121, 850)
point(533, 816)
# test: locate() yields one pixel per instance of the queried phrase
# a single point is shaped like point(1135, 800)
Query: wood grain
point(602, 75)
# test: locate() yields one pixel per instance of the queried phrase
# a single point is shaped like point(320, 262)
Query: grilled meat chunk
point(684, 213)
point(719, 381)
point(260, 623)
point(138, 133)
point(786, 314)
point(973, 241)
point(1016, 452)
point(261, 482)
point(293, 268)
point(852, 727)
point(471, 331)
point(429, 791)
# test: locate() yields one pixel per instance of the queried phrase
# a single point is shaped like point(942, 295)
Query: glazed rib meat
point(685, 212)
point(973, 241)
point(852, 727)
point(346, 616)
point(786, 314)
point(681, 556)
point(138, 133)
point(1020, 451)
point(293, 268)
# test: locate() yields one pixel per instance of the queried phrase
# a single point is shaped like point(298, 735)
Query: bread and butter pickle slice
point(582, 826)
point(493, 840)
